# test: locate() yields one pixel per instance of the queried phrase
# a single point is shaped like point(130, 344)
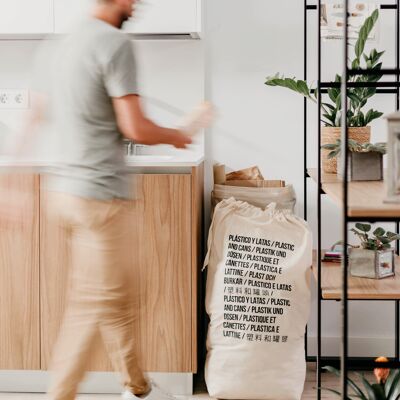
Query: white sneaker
point(156, 393)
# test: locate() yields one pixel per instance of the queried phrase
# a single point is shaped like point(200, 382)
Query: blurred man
point(94, 104)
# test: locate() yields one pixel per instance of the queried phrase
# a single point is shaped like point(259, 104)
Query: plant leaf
point(350, 382)
point(363, 227)
point(369, 389)
point(333, 94)
point(389, 381)
point(329, 117)
point(379, 231)
point(329, 146)
point(379, 391)
point(335, 392)
point(303, 88)
point(383, 239)
point(392, 383)
point(354, 98)
point(392, 238)
point(361, 119)
point(339, 102)
point(330, 106)
point(355, 64)
point(297, 86)
point(392, 235)
point(364, 33)
point(371, 115)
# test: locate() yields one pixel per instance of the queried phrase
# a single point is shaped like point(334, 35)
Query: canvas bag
point(258, 301)
point(284, 197)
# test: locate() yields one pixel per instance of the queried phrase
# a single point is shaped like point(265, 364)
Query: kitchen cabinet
point(165, 262)
point(26, 16)
point(151, 16)
point(162, 17)
point(19, 272)
point(165, 259)
point(54, 277)
point(165, 17)
point(69, 13)
point(161, 271)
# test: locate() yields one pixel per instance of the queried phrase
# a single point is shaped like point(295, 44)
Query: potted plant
point(357, 120)
point(365, 159)
point(387, 386)
point(374, 258)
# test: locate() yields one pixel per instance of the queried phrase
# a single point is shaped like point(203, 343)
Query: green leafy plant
point(386, 388)
point(354, 146)
point(358, 96)
point(379, 240)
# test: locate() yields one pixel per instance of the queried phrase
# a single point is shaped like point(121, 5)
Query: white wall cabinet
point(165, 17)
point(26, 16)
point(68, 13)
point(151, 16)
point(159, 17)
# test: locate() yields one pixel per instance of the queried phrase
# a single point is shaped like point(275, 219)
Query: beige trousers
point(99, 299)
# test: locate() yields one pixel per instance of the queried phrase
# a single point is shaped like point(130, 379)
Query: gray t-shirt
point(93, 65)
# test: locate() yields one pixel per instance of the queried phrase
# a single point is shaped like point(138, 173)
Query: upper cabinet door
point(165, 17)
point(26, 16)
point(67, 13)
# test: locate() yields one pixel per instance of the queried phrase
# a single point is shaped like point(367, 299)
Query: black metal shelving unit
point(388, 87)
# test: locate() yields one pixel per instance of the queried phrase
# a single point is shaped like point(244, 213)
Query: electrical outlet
point(14, 99)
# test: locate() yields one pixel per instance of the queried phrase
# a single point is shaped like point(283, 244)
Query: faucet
point(133, 148)
point(137, 148)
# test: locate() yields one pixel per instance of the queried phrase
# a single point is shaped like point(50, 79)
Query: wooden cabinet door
point(26, 16)
point(19, 272)
point(55, 267)
point(161, 271)
point(164, 17)
point(161, 275)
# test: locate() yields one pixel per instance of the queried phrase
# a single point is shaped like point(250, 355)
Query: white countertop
point(181, 159)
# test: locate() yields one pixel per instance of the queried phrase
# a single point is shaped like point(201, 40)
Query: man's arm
point(134, 125)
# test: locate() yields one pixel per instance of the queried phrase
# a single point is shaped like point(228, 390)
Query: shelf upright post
point(397, 59)
point(397, 303)
point(319, 294)
point(305, 111)
point(344, 151)
point(305, 147)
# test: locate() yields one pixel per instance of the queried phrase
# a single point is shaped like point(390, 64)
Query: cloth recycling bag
point(258, 301)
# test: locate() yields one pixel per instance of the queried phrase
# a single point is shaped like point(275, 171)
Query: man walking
point(95, 104)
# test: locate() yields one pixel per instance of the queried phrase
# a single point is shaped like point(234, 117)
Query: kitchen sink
point(149, 158)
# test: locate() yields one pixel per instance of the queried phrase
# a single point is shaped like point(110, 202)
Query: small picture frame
point(393, 159)
point(332, 19)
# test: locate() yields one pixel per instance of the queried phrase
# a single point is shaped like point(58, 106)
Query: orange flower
point(381, 374)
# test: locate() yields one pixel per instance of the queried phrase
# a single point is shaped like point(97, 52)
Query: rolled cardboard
point(256, 183)
point(219, 174)
point(251, 173)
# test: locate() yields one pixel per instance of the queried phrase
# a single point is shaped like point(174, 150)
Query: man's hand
point(179, 139)
point(200, 118)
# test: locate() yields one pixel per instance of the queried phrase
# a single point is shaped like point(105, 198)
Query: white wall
point(170, 73)
point(171, 77)
point(260, 125)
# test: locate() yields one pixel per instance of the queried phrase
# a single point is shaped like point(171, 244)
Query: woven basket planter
point(330, 134)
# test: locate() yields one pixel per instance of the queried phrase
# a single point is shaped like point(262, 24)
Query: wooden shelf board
point(366, 199)
point(359, 288)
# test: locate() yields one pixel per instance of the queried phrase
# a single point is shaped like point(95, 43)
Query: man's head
point(121, 9)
